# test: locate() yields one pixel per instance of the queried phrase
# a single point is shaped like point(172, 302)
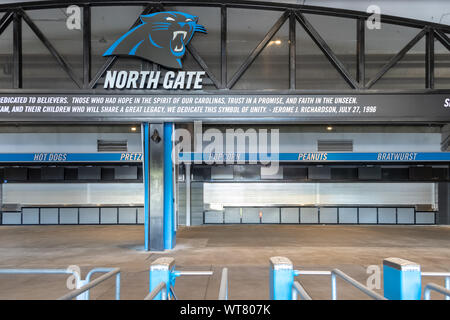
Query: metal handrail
point(103, 270)
point(446, 275)
point(223, 290)
point(353, 282)
point(434, 287)
point(193, 273)
point(298, 290)
point(312, 272)
point(42, 271)
point(161, 287)
point(92, 284)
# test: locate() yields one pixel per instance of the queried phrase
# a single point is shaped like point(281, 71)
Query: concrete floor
point(244, 249)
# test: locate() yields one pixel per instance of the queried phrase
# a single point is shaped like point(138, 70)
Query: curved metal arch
point(15, 12)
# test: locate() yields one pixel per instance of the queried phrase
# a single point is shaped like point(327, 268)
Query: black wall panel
point(201, 173)
point(247, 172)
point(420, 173)
point(395, 173)
point(369, 173)
point(70, 174)
point(440, 174)
point(295, 173)
point(52, 173)
point(89, 173)
point(319, 173)
point(108, 174)
point(16, 174)
point(344, 173)
point(34, 174)
point(125, 173)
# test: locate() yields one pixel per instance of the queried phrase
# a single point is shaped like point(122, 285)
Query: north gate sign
point(244, 107)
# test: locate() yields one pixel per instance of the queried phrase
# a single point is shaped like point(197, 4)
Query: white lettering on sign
point(152, 80)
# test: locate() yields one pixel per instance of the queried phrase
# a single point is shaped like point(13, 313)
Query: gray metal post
point(444, 203)
point(156, 187)
point(1, 202)
point(188, 193)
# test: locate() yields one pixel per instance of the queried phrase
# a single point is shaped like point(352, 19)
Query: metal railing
point(84, 284)
point(193, 273)
point(90, 285)
point(223, 290)
point(434, 287)
point(298, 290)
point(161, 287)
point(446, 275)
point(334, 274)
point(338, 273)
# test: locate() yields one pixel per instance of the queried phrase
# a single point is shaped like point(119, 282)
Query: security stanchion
point(401, 279)
point(281, 278)
point(161, 270)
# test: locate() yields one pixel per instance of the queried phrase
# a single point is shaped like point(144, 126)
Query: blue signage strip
point(55, 157)
point(317, 157)
point(134, 157)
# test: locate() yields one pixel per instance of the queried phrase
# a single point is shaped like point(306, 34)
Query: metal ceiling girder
point(443, 38)
point(17, 51)
point(223, 46)
point(361, 51)
point(258, 49)
point(397, 57)
point(429, 60)
point(112, 59)
point(62, 62)
point(5, 21)
point(326, 50)
point(199, 59)
point(87, 55)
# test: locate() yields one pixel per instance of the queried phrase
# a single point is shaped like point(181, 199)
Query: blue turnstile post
point(169, 218)
point(281, 278)
point(401, 279)
point(161, 270)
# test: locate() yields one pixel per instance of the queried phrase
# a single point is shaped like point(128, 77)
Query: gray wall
point(63, 142)
point(73, 193)
point(196, 203)
point(262, 194)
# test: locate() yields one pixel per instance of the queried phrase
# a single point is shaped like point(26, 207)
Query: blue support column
point(281, 278)
point(169, 218)
point(161, 270)
point(401, 279)
point(146, 178)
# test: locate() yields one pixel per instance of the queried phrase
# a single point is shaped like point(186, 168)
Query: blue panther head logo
point(161, 38)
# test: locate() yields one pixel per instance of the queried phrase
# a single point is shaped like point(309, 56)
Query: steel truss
point(16, 14)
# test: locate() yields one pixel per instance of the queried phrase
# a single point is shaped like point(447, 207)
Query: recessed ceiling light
point(329, 128)
point(133, 128)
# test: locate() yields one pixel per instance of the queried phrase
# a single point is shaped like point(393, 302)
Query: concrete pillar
point(154, 186)
point(188, 193)
point(443, 203)
point(159, 187)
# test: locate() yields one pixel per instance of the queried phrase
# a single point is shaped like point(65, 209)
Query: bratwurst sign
point(248, 107)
